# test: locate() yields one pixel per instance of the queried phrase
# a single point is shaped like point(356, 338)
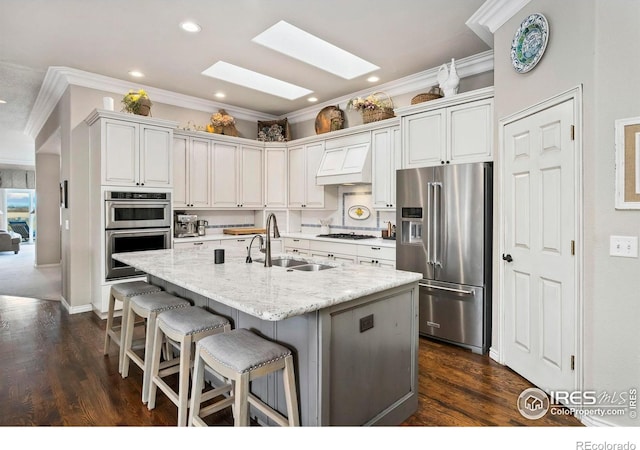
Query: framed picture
point(274, 130)
point(628, 163)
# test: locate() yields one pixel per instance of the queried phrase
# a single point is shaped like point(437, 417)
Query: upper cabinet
point(387, 158)
point(276, 178)
point(304, 192)
point(134, 150)
point(237, 175)
point(191, 171)
point(451, 130)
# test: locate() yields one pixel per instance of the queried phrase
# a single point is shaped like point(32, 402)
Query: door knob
point(507, 257)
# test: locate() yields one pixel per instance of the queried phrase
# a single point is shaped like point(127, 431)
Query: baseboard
point(75, 309)
point(495, 355)
point(41, 266)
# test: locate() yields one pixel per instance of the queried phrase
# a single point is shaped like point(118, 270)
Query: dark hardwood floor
point(53, 373)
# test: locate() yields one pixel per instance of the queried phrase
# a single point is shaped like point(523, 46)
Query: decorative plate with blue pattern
point(529, 42)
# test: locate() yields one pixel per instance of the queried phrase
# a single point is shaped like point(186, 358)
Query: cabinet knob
point(441, 162)
point(448, 162)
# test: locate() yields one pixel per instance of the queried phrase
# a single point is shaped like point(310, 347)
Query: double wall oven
point(135, 221)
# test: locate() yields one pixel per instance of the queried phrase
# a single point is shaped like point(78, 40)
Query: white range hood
point(346, 160)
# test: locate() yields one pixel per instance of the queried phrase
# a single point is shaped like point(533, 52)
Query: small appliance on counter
point(186, 225)
point(202, 227)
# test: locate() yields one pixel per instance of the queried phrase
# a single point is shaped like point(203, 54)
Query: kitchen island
point(353, 329)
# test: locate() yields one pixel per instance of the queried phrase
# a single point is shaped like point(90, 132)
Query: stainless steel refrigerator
point(444, 231)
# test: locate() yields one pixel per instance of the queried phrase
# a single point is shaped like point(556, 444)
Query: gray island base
point(353, 329)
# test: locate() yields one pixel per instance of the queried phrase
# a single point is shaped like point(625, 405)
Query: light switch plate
point(626, 246)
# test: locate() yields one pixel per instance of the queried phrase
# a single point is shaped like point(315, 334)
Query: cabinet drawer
point(375, 252)
point(333, 247)
point(196, 244)
point(296, 243)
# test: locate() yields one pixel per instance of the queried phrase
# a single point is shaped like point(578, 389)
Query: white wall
point(589, 44)
point(48, 245)
point(16, 148)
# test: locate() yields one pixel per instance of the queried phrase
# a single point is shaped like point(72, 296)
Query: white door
point(155, 156)
point(539, 266)
point(199, 172)
point(224, 183)
point(315, 193)
point(251, 170)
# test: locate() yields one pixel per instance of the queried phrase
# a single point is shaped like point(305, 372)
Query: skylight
point(296, 43)
point(254, 80)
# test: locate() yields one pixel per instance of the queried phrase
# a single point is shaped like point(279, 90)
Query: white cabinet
point(135, 154)
point(373, 255)
point(275, 177)
point(386, 160)
point(334, 251)
point(304, 161)
point(197, 245)
point(237, 172)
point(295, 246)
point(452, 130)
point(191, 172)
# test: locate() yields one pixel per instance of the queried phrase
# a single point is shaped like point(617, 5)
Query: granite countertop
point(274, 293)
point(219, 237)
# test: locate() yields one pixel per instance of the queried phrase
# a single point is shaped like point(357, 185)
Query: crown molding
point(491, 16)
point(472, 65)
point(58, 78)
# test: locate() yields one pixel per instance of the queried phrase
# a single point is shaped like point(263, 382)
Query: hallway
point(19, 277)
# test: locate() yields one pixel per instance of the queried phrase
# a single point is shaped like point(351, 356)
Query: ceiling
point(112, 37)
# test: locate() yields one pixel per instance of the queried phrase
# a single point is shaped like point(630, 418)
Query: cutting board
point(239, 231)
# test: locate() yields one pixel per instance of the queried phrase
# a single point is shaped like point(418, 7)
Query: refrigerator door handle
point(442, 288)
point(437, 212)
point(429, 215)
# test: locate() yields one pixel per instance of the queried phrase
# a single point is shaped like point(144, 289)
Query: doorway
point(541, 228)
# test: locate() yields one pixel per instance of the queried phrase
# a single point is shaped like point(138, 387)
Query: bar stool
point(241, 356)
point(147, 306)
point(122, 292)
point(184, 326)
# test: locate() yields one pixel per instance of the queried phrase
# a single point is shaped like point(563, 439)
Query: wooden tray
point(240, 231)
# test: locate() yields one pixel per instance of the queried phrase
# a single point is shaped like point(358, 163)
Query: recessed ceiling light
point(191, 27)
point(296, 43)
point(312, 99)
point(136, 73)
point(254, 80)
point(3, 101)
point(373, 79)
point(220, 94)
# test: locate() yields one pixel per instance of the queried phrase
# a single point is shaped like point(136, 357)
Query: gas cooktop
point(346, 236)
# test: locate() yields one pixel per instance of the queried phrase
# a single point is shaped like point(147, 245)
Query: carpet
point(19, 277)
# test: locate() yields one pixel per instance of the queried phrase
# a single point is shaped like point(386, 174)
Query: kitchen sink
point(312, 267)
point(283, 262)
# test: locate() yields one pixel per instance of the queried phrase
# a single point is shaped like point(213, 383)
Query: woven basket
point(424, 98)
point(374, 115)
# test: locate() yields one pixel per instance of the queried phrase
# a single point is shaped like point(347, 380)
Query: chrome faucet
point(251, 243)
point(276, 235)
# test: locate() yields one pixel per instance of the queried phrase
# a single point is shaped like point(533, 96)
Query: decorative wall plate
point(359, 212)
point(529, 42)
point(330, 118)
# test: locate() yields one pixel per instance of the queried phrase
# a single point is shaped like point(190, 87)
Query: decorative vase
point(144, 107)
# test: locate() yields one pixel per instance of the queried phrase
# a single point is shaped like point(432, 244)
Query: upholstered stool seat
point(241, 356)
point(184, 326)
point(147, 306)
point(122, 292)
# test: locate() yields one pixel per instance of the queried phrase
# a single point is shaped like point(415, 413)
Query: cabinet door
point(470, 132)
point(276, 177)
point(180, 171)
point(155, 156)
point(424, 139)
point(224, 183)
point(120, 156)
point(199, 171)
point(251, 171)
point(383, 166)
point(315, 193)
point(297, 176)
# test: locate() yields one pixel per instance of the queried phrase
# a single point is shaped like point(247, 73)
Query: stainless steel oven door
point(137, 214)
point(120, 241)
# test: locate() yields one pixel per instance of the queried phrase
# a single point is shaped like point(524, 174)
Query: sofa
point(9, 241)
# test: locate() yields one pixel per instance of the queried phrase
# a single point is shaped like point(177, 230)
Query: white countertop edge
point(379, 242)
